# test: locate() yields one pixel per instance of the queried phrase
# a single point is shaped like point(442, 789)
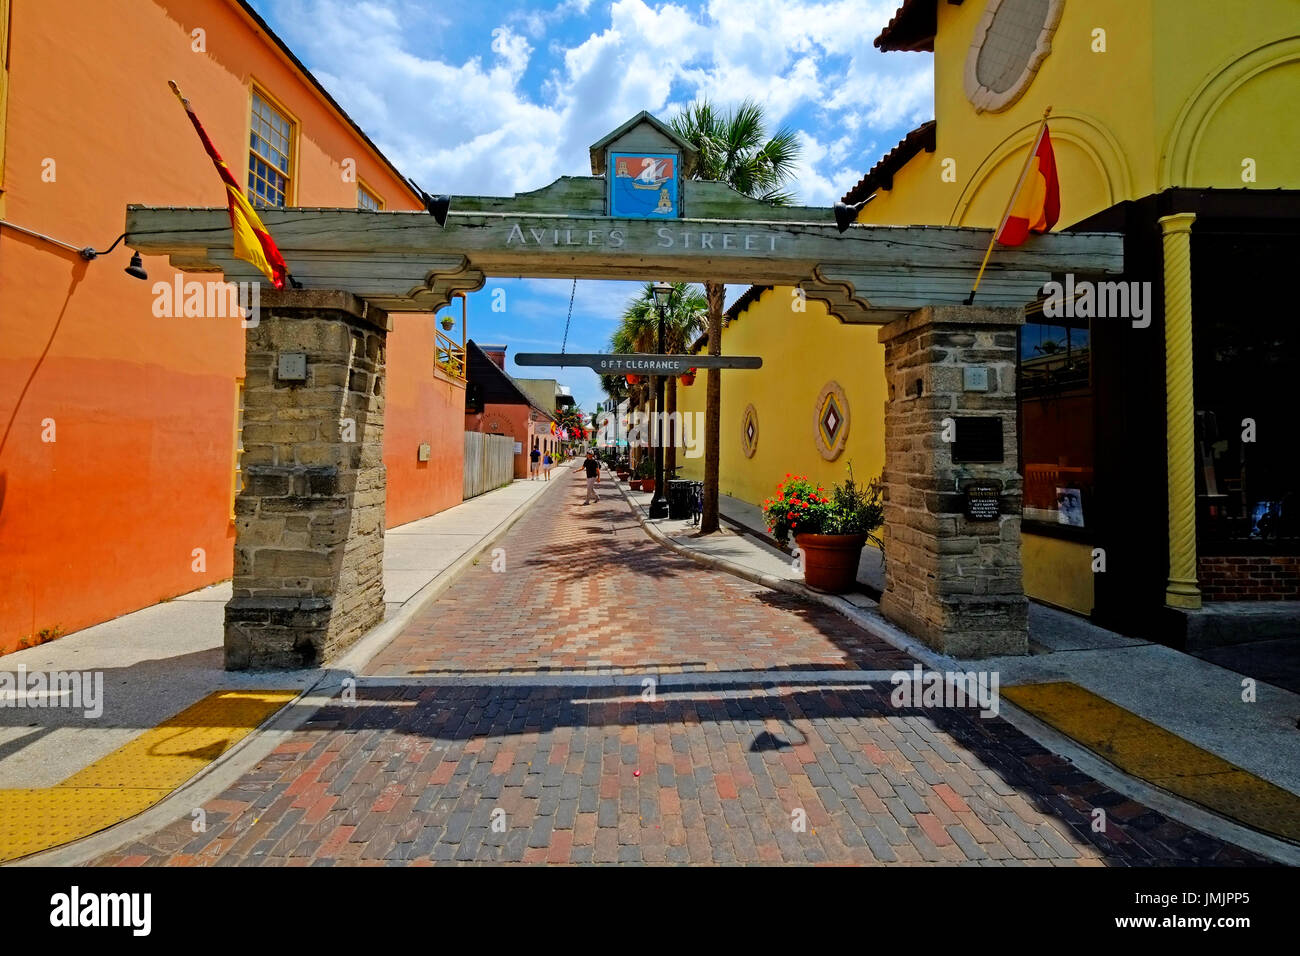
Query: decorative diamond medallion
point(831, 424)
point(749, 431)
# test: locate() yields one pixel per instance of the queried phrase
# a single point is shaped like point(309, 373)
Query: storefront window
point(1056, 421)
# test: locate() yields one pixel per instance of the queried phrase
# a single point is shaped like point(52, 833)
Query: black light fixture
point(436, 206)
point(136, 268)
point(846, 215)
point(663, 293)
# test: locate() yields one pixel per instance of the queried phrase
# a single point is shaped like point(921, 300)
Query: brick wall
point(1258, 578)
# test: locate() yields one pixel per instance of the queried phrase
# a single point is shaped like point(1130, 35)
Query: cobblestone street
point(510, 722)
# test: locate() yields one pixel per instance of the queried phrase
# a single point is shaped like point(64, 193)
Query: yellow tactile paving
point(35, 820)
point(133, 777)
point(177, 749)
point(1150, 752)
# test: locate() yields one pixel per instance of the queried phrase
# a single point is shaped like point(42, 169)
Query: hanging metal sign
point(637, 362)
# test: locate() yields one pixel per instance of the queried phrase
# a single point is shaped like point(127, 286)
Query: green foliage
point(802, 506)
point(638, 329)
point(734, 149)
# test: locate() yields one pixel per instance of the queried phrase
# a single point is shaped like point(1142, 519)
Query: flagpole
point(1020, 184)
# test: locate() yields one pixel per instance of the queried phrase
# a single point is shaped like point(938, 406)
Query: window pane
point(1056, 415)
point(269, 140)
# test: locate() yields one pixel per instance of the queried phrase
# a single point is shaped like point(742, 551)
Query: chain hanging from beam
point(572, 292)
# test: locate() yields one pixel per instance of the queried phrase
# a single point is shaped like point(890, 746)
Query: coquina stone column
point(309, 522)
point(952, 580)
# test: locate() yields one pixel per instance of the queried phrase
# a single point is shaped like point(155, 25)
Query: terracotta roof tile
point(913, 26)
point(881, 175)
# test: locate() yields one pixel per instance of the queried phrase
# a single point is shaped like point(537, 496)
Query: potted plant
point(830, 530)
point(633, 380)
point(447, 322)
point(644, 475)
point(687, 377)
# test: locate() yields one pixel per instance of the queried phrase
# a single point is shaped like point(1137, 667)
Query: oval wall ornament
point(749, 431)
point(831, 420)
point(1010, 43)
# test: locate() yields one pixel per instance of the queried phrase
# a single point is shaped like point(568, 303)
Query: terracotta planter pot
point(830, 561)
point(635, 484)
point(623, 475)
point(647, 484)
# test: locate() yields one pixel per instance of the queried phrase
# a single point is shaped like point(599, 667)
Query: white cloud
point(512, 119)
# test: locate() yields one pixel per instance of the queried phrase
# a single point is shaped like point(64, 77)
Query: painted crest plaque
point(643, 185)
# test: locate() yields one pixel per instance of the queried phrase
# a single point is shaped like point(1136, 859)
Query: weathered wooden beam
point(404, 260)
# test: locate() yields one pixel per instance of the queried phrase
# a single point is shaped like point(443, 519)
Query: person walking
point(534, 457)
point(547, 462)
point(592, 468)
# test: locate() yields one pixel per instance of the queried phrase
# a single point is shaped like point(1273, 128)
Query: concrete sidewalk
point(1198, 701)
point(160, 660)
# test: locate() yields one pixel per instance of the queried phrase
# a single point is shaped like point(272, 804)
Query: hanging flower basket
point(687, 377)
point(447, 322)
point(634, 379)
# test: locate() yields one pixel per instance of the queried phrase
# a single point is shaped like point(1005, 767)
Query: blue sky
point(494, 98)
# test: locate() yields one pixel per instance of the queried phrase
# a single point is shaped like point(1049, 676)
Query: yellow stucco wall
point(1184, 92)
point(801, 352)
point(1058, 572)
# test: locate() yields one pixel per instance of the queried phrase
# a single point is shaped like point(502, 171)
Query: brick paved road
point(719, 768)
point(586, 590)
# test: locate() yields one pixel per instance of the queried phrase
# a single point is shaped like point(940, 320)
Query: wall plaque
point(981, 500)
point(978, 439)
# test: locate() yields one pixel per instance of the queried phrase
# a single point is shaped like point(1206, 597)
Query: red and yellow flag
point(253, 243)
point(1037, 204)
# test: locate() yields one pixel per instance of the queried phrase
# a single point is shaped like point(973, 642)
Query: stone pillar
point(953, 581)
point(309, 522)
point(1180, 412)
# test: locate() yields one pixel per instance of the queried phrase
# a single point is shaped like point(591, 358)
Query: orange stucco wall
point(421, 406)
point(105, 519)
point(517, 422)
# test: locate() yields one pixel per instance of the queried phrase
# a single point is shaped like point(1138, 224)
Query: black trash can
point(679, 499)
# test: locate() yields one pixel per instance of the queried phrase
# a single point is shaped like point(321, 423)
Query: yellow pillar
point(1180, 412)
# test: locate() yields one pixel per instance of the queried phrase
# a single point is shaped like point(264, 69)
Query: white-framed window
point(270, 153)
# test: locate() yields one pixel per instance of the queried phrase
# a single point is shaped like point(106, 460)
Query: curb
point(260, 742)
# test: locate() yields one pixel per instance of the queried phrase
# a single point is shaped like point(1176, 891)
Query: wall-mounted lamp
point(436, 206)
point(89, 253)
point(846, 215)
point(136, 268)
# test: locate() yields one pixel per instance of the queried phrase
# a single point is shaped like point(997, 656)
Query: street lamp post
point(659, 504)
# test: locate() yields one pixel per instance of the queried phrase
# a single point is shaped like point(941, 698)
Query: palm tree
point(683, 322)
point(733, 149)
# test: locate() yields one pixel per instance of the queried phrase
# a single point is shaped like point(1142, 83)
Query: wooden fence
point(489, 462)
